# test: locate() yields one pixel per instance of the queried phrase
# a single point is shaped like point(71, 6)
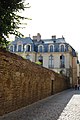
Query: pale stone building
point(53, 53)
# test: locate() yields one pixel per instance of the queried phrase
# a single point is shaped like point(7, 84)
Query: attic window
point(40, 48)
point(27, 48)
point(11, 48)
point(19, 48)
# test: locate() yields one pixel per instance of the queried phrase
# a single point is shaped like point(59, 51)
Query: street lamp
point(52, 83)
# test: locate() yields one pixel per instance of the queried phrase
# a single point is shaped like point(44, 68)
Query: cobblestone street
point(62, 106)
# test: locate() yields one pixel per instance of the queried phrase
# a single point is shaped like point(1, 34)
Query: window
point(11, 48)
point(19, 48)
point(62, 61)
point(28, 48)
point(51, 48)
point(40, 59)
point(40, 48)
point(28, 57)
point(51, 62)
point(62, 48)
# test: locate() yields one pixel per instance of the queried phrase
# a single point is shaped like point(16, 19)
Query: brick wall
point(23, 82)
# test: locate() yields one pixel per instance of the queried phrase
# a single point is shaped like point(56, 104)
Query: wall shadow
point(46, 109)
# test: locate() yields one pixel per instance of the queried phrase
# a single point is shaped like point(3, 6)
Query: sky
point(54, 17)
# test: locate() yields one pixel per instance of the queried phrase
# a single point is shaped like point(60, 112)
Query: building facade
point(53, 53)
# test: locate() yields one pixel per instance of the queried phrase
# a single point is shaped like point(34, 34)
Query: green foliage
point(9, 18)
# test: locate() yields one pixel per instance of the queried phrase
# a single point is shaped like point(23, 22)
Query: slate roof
point(26, 40)
point(45, 43)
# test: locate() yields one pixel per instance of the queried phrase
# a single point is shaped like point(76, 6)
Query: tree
point(10, 19)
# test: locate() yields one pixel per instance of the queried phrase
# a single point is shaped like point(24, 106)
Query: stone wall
point(23, 82)
point(74, 72)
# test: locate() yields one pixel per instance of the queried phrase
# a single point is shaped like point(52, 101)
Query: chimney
point(62, 37)
point(53, 36)
point(29, 35)
point(34, 37)
point(38, 37)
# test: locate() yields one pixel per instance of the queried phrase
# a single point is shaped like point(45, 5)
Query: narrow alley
point(62, 106)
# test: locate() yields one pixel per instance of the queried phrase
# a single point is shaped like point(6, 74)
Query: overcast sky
point(55, 17)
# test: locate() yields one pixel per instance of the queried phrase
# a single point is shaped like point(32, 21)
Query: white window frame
point(26, 47)
point(21, 47)
point(39, 47)
point(49, 47)
point(10, 47)
point(51, 61)
point(60, 47)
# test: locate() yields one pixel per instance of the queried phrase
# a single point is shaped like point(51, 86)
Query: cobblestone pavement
point(62, 106)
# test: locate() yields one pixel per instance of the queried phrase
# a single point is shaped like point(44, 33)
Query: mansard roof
point(45, 43)
point(58, 40)
point(74, 53)
point(26, 40)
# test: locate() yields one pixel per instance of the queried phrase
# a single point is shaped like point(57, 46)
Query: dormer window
point(62, 48)
point(40, 48)
point(51, 48)
point(12, 48)
point(19, 48)
point(27, 48)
